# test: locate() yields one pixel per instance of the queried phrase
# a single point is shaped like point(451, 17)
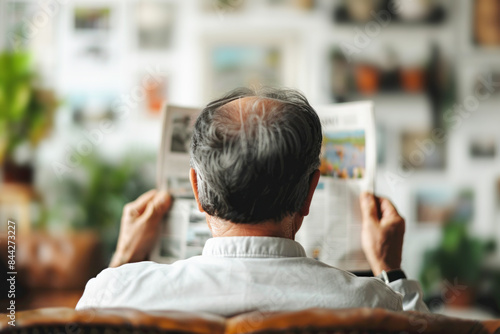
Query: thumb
point(369, 210)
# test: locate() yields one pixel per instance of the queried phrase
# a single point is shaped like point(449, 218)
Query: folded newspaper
point(332, 230)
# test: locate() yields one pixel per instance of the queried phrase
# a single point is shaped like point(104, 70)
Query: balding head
point(254, 154)
point(248, 105)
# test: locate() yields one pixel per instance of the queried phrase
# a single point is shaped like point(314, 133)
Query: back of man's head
point(254, 153)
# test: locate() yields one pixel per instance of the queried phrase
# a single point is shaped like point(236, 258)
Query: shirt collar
point(253, 247)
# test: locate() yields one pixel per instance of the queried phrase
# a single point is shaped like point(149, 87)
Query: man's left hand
point(139, 227)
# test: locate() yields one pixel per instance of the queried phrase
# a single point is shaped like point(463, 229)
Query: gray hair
point(254, 163)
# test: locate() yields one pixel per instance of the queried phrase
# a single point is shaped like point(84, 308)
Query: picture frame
point(154, 24)
point(486, 23)
point(416, 155)
point(468, 31)
point(93, 33)
point(441, 203)
point(260, 59)
point(479, 80)
point(483, 146)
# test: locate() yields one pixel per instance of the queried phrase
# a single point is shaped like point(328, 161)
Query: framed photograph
point(155, 22)
point(479, 29)
point(486, 23)
point(483, 147)
point(92, 18)
point(248, 62)
point(480, 80)
point(90, 107)
point(438, 205)
point(92, 35)
point(420, 152)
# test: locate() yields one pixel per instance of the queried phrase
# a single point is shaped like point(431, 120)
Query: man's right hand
point(139, 227)
point(382, 233)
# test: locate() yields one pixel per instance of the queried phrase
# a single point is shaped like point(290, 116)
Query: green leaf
point(453, 234)
point(20, 100)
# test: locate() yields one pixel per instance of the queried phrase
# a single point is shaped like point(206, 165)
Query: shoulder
point(371, 290)
point(121, 277)
point(381, 293)
point(127, 271)
point(111, 282)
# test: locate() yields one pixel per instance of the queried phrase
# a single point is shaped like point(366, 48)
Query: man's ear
point(194, 184)
point(312, 187)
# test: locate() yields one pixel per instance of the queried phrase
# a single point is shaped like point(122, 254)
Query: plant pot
point(14, 173)
point(463, 298)
point(412, 79)
point(367, 79)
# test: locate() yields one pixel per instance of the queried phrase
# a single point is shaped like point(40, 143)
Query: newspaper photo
point(332, 230)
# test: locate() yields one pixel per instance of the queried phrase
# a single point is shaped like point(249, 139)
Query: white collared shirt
point(241, 274)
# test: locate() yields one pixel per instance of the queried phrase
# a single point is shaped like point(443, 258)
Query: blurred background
point(82, 84)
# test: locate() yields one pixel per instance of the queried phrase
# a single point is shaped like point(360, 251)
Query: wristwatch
point(391, 275)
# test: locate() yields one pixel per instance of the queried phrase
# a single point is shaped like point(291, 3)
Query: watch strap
point(391, 275)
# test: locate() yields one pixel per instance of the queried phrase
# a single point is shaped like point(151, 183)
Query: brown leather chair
point(311, 321)
point(55, 261)
point(52, 269)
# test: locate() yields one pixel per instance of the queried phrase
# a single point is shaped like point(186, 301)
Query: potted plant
point(26, 115)
point(456, 262)
point(92, 198)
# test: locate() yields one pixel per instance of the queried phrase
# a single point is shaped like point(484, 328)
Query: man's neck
point(223, 228)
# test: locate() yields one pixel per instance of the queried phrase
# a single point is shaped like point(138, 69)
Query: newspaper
point(332, 230)
point(184, 230)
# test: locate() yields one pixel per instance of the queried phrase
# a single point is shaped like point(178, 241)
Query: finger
point(369, 210)
point(137, 207)
point(162, 202)
point(159, 205)
point(387, 209)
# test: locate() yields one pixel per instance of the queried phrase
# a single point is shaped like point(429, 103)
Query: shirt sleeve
point(84, 301)
point(412, 294)
point(96, 293)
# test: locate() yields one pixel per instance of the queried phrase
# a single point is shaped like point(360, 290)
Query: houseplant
point(92, 197)
point(26, 115)
point(456, 263)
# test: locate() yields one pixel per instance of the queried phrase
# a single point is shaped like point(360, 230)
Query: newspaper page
point(331, 232)
point(184, 230)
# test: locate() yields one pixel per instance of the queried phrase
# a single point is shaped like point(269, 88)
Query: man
point(255, 159)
